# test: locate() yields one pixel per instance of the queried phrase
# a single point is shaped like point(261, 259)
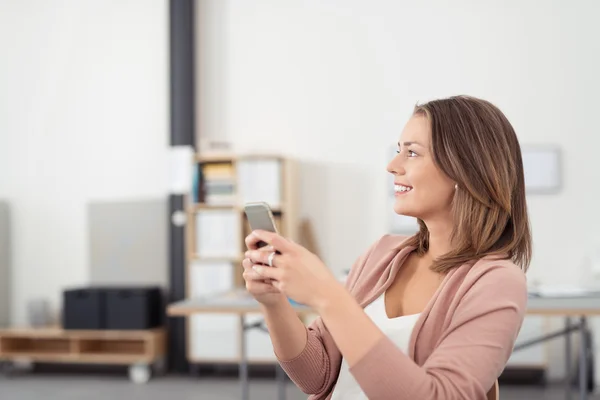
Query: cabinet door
point(214, 338)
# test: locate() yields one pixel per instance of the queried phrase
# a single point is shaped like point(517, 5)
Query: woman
point(431, 316)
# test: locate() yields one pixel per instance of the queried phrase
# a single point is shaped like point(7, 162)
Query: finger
point(268, 272)
point(247, 263)
point(276, 285)
point(278, 242)
point(252, 275)
point(261, 287)
point(261, 257)
point(253, 242)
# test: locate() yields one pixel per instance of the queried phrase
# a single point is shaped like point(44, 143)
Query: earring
point(455, 186)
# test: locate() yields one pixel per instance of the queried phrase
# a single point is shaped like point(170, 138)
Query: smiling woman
point(431, 316)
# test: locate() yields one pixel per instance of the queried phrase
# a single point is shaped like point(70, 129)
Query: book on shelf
point(217, 184)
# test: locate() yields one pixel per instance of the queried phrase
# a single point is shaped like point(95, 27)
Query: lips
point(401, 189)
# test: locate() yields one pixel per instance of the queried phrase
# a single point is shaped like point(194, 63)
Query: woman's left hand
point(296, 272)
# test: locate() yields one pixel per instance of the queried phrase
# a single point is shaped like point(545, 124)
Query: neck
point(439, 238)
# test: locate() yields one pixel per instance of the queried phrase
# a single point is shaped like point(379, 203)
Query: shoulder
point(493, 280)
point(490, 271)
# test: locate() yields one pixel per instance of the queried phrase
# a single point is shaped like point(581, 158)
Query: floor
point(34, 386)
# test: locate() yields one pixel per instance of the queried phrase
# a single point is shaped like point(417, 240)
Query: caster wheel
point(139, 373)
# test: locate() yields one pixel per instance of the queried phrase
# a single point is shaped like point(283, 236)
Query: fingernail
point(256, 268)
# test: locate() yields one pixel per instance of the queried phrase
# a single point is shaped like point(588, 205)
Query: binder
point(260, 180)
point(210, 277)
point(217, 234)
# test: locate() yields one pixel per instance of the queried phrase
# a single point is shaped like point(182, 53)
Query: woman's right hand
point(262, 290)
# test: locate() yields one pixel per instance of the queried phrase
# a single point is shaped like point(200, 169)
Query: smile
point(401, 189)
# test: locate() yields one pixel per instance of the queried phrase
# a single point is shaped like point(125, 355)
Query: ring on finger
point(270, 259)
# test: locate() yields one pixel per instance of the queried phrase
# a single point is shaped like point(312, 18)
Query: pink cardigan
point(459, 345)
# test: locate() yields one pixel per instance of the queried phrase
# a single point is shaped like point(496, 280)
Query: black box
point(133, 308)
point(84, 308)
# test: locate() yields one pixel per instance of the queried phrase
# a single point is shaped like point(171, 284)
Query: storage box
point(84, 308)
point(133, 308)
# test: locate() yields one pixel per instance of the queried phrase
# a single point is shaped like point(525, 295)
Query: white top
point(397, 329)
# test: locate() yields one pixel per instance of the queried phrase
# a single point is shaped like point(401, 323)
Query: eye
point(412, 153)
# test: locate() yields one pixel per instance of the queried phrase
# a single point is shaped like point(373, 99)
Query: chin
point(405, 211)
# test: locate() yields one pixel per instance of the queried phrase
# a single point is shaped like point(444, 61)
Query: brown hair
point(475, 145)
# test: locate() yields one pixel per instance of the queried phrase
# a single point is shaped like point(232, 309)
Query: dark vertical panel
point(177, 327)
point(182, 105)
point(182, 72)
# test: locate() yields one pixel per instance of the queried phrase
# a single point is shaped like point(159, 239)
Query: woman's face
point(421, 189)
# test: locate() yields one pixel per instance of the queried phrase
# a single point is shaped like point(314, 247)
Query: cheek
point(431, 193)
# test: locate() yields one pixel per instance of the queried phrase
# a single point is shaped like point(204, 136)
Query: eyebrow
point(409, 143)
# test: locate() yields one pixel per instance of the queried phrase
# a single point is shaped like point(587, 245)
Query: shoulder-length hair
point(474, 144)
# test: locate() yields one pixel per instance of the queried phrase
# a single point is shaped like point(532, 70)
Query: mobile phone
point(260, 216)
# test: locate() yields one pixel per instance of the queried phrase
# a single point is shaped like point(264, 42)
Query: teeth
point(400, 188)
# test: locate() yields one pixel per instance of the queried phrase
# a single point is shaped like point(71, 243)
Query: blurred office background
point(94, 125)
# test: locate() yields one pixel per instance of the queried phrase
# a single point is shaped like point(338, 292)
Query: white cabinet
point(212, 337)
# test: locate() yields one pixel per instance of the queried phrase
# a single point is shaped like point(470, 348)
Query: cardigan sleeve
point(470, 355)
point(316, 368)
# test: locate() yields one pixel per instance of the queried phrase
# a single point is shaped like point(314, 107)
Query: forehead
point(417, 129)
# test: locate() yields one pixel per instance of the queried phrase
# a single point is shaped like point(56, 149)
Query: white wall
point(333, 82)
point(84, 83)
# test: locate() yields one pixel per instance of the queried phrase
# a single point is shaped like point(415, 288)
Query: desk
point(240, 303)
point(579, 307)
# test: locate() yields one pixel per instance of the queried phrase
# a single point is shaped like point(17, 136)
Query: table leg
point(244, 362)
point(280, 382)
point(568, 372)
point(583, 359)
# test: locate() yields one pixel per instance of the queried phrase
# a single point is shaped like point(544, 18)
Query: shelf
point(104, 347)
point(203, 206)
point(70, 334)
point(233, 260)
point(96, 347)
point(273, 179)
point(194, 208)
point(226, 157)
point(15, 345)
point(214, 158)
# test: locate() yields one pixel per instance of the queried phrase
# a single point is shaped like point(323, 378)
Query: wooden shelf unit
point(286, 215)
point(54, 345)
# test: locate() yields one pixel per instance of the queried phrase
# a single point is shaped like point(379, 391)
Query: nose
point(395, 166)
